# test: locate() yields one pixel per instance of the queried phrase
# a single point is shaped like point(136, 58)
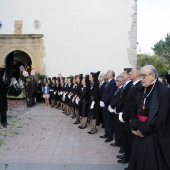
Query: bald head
point(110, 74)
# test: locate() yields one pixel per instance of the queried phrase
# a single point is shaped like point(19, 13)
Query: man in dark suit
point(109, 90)
point(112, 106)
point(102, 83)
point(127, 110)
point(121, 103)
point(29, 92)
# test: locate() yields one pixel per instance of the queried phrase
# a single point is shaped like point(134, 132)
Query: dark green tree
point(160, 63)
point(162, 48)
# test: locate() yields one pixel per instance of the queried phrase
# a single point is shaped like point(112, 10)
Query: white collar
point(120, 86)
point(135, 82)
point(128, 82)
point(109, 80)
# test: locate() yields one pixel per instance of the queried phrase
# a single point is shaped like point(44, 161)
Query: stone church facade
point(36, 43)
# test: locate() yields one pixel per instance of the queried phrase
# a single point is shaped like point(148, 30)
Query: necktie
point(117, 91)
point(132, 86)
point(106, 84)
point(124, 85)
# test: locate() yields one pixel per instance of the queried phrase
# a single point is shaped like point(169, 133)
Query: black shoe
point(121, 151)
point(83, 127)
point(73, 117)
point(104, 136)
point(108, 140)
point(80, 127)
point(114, 144)
point(120, 156)
point(76, 122)
point(123, 161)
point(93, 132)
point(126, 169)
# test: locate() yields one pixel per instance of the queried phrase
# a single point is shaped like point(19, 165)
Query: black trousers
point(29, 100)
point(116, 128)
point(108, 121)
point(125, 133)
point(3, 117)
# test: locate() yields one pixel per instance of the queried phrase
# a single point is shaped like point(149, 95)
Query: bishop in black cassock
point(150, 124)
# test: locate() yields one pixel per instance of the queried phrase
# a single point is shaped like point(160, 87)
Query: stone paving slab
point(42, 137)
point(47, 166)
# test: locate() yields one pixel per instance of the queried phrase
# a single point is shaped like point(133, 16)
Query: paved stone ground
point(43, 138)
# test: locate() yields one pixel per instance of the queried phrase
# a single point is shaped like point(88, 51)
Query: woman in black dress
point(78, 93)
point(56, 90)
point(52, 88)
point(94, 101)
point(68, 90)
point(84, 101)
point(61, 92)
point(72, 97)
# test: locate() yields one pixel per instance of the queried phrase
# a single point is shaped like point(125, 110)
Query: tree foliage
point(162, 47)
point(160, 63)
point(39, 76)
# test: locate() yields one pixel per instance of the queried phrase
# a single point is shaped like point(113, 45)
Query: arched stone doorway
point(14, 61)
point(30, 45)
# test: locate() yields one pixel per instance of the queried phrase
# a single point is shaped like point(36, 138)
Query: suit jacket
point(123, 97)
point(108, 91)
point(48, 90)
point(115, 98)
point(101, 90)
point(127, 110)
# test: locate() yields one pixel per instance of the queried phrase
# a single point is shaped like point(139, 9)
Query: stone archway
point(31, 44)
point(15, 62)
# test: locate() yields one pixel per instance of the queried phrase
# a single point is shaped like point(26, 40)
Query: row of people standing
point(134, 106)
point(140, 111)
point(76, 96)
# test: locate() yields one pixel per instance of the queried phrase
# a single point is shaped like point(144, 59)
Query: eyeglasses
point(143, 76)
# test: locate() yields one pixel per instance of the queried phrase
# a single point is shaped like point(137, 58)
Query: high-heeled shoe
point(73, 117)
point(80, 126)
point(89, 131)
point(83, 127)
point(76, 122)
point(93, 131)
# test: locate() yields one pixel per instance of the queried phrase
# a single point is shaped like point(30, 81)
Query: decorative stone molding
point(32, 44)
point(18, 27)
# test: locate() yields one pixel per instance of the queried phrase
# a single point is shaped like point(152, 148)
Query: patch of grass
point(1, 142)
point(19, 127)
point(15, 133)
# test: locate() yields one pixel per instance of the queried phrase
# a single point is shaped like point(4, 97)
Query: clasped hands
point(137, 133)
